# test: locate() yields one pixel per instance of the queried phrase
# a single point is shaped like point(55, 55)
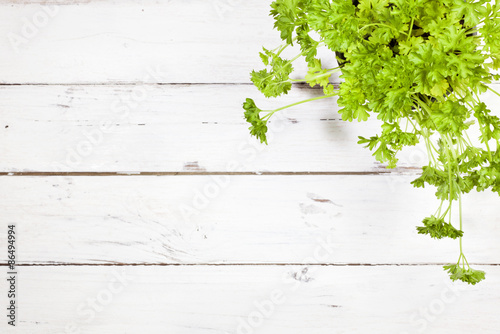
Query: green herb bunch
point(419, 67)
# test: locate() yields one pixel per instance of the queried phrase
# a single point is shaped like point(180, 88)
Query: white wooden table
point(143, 206)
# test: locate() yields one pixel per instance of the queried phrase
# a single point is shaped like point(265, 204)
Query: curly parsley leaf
point(469, 275)
point(258, 126)
point(437, 228)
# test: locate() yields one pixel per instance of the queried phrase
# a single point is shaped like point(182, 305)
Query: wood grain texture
point(194, 41)
point(171, 128)
point(179, 128)
point(200, 300)
point(236, 219)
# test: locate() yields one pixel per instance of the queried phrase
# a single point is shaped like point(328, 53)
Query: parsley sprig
point(418, 66)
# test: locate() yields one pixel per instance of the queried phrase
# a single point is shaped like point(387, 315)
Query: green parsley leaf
point(258, 126)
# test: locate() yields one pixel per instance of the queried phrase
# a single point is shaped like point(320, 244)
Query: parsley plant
point(419, 66)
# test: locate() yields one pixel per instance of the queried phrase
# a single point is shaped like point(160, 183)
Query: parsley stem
point(271, 112)
point(460, 217)
point(428, 144)
point(451, 147)
point(438, 211)
point(448, 157)
point(489, 150)
point(494, 91)
point(426, 108)
point(450, 204)
point(326, 74)
point(411, 28)
point(282, 47)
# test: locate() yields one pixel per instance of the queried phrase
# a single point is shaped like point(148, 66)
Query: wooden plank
point(170, 128)
point(134, 41)
point(236, 219)
point(175, 128)
point(253, 299)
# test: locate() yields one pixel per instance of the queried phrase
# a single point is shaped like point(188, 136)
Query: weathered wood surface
point(134, 41)
point(173, 128)
point(179, 128)
point(237, 219)
point(237, 299)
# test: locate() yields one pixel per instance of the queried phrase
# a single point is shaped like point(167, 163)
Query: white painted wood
point(237, 219)
point(172, 128)
point(122, 41)
point(178, 128)
point(213, 299)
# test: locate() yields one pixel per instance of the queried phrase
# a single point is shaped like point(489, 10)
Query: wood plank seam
point(397, 171)
point(110, 264)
